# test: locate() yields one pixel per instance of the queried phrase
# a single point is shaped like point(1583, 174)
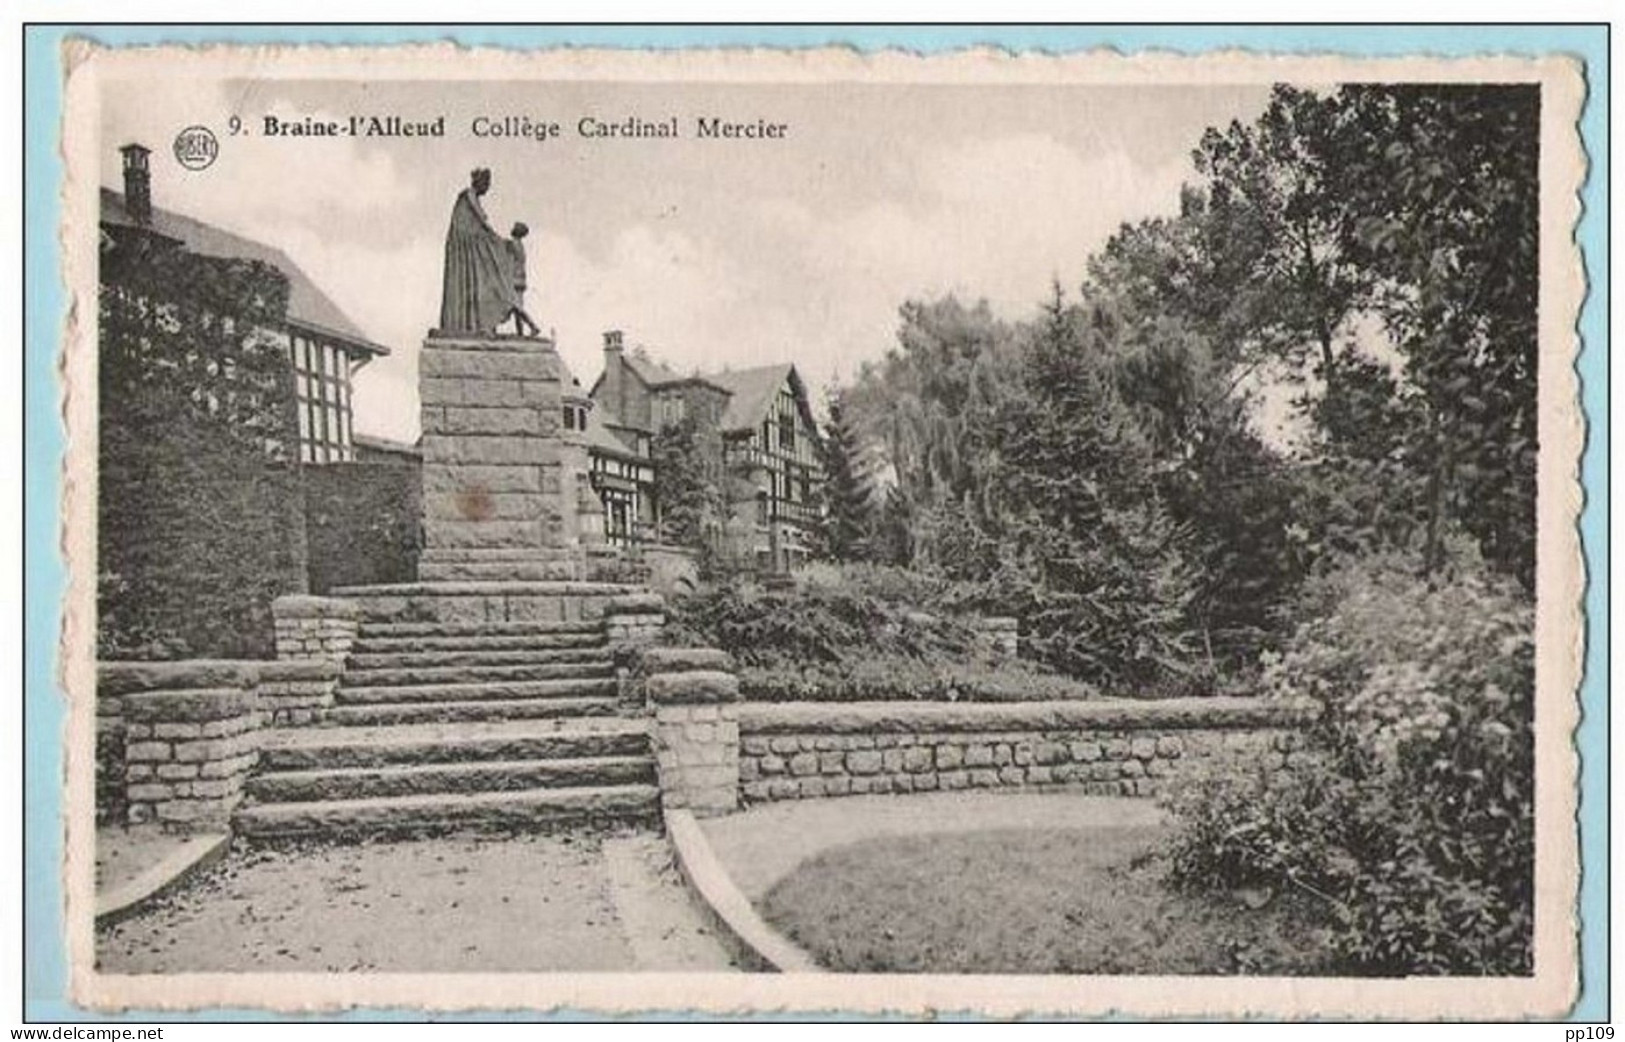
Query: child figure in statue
point(516, 261)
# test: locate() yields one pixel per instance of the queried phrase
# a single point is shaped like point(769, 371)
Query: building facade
point(325, 348)
point(756, 435)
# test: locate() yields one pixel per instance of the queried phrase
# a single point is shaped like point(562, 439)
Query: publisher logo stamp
point(196, 147)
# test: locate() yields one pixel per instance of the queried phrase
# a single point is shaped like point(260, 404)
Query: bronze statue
point(478, 291)
point(515, 244)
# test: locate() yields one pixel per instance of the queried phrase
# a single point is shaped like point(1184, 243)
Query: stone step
point(367, 644)
point(450, 712)
point(309, 748)
point(488, 690)
point(525, 808)
point(486, 657)
point(499, 571)
point(476, 776)
point(477, 674)
point(475, 629)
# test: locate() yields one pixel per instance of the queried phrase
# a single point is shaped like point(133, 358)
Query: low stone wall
point(315, 627)
point(1116, 748)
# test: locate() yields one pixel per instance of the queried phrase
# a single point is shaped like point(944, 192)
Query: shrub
point(1412, 816)
point(853, 633)
point(896, 678)
point(814, 623)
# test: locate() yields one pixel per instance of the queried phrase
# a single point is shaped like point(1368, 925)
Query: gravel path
point(463, 903)
point(764, 844)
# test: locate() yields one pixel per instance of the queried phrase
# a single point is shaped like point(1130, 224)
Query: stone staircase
point(440, 725)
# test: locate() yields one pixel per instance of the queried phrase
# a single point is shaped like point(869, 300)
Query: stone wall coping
point(479, 589)
point(668, 548)
point(924, 717)
point(701, 687)
point(637, 604)
point(487, 342)
point(188, 857)
point(188, 706)
point(299, 669)
point(758, 945)
point(682, 660)
point(122, 678)
point(309, 606)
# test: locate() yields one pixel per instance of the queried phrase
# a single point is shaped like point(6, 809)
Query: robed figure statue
point(478, 291)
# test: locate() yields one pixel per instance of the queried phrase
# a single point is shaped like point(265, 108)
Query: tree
point(1447, 186)
point(1280, 221)
point(1100, 566)
point(933, 402)
point(847, 530)
point(688, 486)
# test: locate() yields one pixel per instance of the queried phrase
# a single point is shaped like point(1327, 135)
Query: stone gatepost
point(635, 619)
point(493, 490)
point(190, 738)
point(694, 697)
point(315, 627)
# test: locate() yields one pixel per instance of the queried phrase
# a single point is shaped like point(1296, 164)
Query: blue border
point(44, 956)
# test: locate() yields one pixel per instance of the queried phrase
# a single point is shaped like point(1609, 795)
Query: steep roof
point(308, 306)
point(650, 371)
point(600, 437)
point(752, 391)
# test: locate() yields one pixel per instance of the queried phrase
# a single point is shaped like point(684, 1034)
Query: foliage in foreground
point(1411, 816)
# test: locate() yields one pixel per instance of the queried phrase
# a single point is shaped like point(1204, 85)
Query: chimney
point(137, 183)
point(612, 385)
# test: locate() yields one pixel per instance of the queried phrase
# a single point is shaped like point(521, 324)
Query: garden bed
point(1033, 901)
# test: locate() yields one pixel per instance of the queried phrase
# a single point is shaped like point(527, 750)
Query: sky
point(713, 254)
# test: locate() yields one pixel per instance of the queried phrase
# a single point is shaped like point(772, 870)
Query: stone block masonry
point(1109, 748)
point(175, 740)
point(315, 627)
point(189, 738)
point(635, 618)
point(294, 692)
point(694, 701)
point(491, 412)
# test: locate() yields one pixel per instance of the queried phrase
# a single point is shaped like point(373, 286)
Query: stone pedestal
point(494, 500)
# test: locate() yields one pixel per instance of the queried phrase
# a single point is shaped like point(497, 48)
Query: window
point(761, 508)
point(569, 418)
point(325, 407)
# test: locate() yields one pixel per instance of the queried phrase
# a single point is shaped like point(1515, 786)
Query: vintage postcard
point(737, 531)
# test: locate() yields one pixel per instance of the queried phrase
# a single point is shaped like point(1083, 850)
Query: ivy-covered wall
point(200, 512)
point(362, 523)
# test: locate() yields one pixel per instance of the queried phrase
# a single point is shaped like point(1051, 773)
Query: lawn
point(1032, 901)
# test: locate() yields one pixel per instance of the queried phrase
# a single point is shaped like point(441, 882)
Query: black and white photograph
point(822, 531)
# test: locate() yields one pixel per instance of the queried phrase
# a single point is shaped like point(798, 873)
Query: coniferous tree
point(848, 527)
